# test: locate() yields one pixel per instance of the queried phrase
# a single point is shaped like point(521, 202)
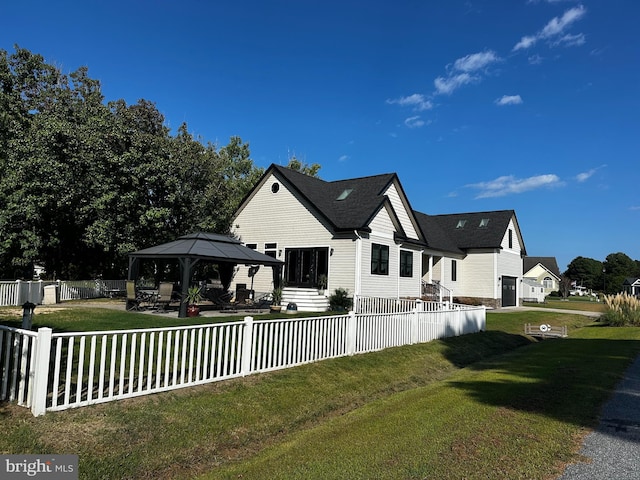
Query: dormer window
point(344, 194)
point(461, 223)
point(484, 223)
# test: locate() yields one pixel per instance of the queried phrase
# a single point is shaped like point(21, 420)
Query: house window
point(406, 263)
point(275, 187)
point(454, 271)
point(379, 259)
point(252, 246)
point(271, 249)
point(510, 238)
point(547, 282)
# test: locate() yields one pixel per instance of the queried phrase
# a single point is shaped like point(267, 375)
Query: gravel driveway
point(614, 447)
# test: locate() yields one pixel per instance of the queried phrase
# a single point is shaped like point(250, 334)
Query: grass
point(572, 303)
point(490, 405)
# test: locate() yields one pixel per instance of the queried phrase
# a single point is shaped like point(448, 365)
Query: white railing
point(397, 305)
point(18, 292)
point(56, 371)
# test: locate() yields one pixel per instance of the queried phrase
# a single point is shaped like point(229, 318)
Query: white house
point(362, 235)
point(543, 270)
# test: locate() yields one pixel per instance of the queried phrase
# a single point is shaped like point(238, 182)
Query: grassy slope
point(403, 413)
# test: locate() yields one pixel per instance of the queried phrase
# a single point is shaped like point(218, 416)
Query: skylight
point(461, 223)
point(484, 222)
point(345, 194)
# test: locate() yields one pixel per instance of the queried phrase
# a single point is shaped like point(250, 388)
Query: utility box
point(51, 295)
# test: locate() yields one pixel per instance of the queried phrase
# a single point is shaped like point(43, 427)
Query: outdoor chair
point(165, 295)
point(133, 300)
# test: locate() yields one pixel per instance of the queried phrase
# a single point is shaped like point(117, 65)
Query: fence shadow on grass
point(564, 379)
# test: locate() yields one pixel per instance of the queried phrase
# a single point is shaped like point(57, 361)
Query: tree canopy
point(85, 181)
point(606, 276)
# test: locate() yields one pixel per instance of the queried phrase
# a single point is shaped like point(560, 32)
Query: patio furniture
point(165, 295)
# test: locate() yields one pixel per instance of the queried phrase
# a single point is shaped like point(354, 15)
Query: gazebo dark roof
point(208, 246)
point(190, 249)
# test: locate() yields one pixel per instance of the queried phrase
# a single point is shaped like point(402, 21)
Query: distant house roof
point(547, 262)
point(631, 281)
point(351, 204)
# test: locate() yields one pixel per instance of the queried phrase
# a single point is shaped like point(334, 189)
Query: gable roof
point(549, 263)
point(468, 230)
point(365, 196)
point(355, 211)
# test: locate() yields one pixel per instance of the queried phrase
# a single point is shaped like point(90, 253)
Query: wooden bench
point(545, 331)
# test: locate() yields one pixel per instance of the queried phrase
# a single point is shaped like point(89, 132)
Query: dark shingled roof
point(472, 235)
point(367, 197)
point(352, 213)
point(435, 236)
point(549, 263)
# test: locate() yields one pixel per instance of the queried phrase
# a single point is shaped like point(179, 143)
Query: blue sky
point(531, 105)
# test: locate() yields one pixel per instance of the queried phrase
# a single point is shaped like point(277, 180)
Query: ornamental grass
point(622, 310)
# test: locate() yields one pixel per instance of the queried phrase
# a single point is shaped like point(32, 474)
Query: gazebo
point(190, 249)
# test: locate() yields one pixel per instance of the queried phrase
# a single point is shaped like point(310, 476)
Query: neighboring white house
point(631, 286)
point(543, 270)
point(362, 235)
point(532, 291)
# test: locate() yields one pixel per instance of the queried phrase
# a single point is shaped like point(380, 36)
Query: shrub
point(339, 301)
point(622, 310)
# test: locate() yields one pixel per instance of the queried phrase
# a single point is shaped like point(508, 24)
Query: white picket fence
point(48, 371)
point(18, 292)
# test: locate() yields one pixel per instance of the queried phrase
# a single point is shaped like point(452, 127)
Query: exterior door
point(509, 291)
point(303, 266)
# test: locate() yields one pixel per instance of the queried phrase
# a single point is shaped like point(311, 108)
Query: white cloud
point(535, 59)
point(509, 100)
point(414, 122)
point(475, 61)
point(448, 85)
point(584, 176)
point(343, 158)
point(418, 101)
point(570, 40)
point(464, 71)
point(555, 27)
point(508, 184)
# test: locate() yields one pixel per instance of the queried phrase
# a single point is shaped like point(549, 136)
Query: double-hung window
point(379, 259)
point(406, 263)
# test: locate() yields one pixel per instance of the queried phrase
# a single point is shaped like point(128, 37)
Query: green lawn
point(490, 405)
point(586, 304)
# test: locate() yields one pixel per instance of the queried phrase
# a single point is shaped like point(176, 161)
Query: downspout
point(358, 270)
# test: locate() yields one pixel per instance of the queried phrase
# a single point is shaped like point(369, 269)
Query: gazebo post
point(185, 266)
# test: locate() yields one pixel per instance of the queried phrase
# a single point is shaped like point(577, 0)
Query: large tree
point(586, 272)
point(84, 182)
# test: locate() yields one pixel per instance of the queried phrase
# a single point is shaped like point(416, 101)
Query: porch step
point(306, 299)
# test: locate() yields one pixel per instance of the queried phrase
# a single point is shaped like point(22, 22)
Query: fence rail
point(48, 371)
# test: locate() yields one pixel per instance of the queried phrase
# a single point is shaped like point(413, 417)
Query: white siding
point(284, 219)
point(479, 276)
point(401, 212)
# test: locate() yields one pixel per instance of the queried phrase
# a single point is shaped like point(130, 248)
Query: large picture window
point(379, 259)
point(406, 263)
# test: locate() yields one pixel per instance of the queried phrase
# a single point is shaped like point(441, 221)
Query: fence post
point(247, 346)
point(351, 333)
point(415, 322)
point(41, 372)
